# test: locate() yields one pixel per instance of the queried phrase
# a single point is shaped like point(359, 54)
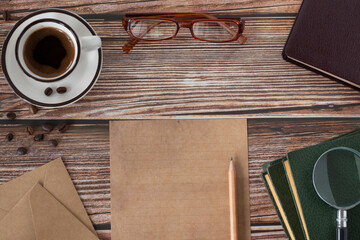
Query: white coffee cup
point(86, 43)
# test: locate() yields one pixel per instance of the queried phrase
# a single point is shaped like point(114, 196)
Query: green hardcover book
point(280, 191)
point(317, 218)
point(277, 185)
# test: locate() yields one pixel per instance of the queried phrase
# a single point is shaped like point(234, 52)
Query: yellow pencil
point(232, 197)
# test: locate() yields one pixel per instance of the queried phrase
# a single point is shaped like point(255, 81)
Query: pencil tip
point(231, 159)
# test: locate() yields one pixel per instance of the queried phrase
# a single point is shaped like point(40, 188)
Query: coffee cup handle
point(90, 43)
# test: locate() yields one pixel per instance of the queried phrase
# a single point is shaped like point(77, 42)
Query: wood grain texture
point(185, 77)
point(85, 151)
point(19, 8)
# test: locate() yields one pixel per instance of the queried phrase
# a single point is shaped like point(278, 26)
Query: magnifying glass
point(336, 179)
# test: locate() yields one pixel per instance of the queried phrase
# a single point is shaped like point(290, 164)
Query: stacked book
point(289, 183)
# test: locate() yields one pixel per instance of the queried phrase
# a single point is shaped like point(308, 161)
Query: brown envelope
point(39, 216)
point(56, 180)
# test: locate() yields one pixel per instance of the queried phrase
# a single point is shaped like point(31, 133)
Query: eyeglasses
point(203, 27)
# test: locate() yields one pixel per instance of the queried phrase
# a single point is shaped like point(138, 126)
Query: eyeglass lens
point(153, 29)
point(215, 31)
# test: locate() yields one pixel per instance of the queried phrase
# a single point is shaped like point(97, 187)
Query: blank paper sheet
point(169, 179)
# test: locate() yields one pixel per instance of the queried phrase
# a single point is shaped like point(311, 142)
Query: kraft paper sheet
point(169, 179)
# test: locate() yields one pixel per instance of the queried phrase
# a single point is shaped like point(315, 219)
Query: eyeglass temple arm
point(131, 44)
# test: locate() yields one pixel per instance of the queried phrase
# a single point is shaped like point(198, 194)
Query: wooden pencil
point(232, 199)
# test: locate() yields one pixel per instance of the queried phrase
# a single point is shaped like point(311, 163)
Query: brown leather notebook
point(326, 38)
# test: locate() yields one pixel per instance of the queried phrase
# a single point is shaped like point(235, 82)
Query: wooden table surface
point(183, 77)
point(85, 151)
point(289, 107)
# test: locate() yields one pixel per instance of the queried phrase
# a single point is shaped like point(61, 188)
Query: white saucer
point(78, 83)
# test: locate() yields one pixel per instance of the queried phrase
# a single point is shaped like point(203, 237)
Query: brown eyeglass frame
point(185, 24)
point(182, 20)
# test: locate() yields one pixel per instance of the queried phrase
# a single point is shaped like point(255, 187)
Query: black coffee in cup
point(48, 52)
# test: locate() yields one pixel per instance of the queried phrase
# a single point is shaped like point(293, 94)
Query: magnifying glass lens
point(337, 178)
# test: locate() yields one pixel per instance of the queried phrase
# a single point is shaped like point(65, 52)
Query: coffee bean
point(63, 127)
point(47, 127)
point(48, 91)
point(53, 143)
point(33, 109)
point(11, 115)
point(6, 15)
point(61, 90)
point(30, 130)
point(21, 151)
point(9, 137)
point(39, 137)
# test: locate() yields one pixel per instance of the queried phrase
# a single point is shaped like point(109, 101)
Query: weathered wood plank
point(20, 8)
point(186, 77)
point(85, 150)
point(267, 232)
